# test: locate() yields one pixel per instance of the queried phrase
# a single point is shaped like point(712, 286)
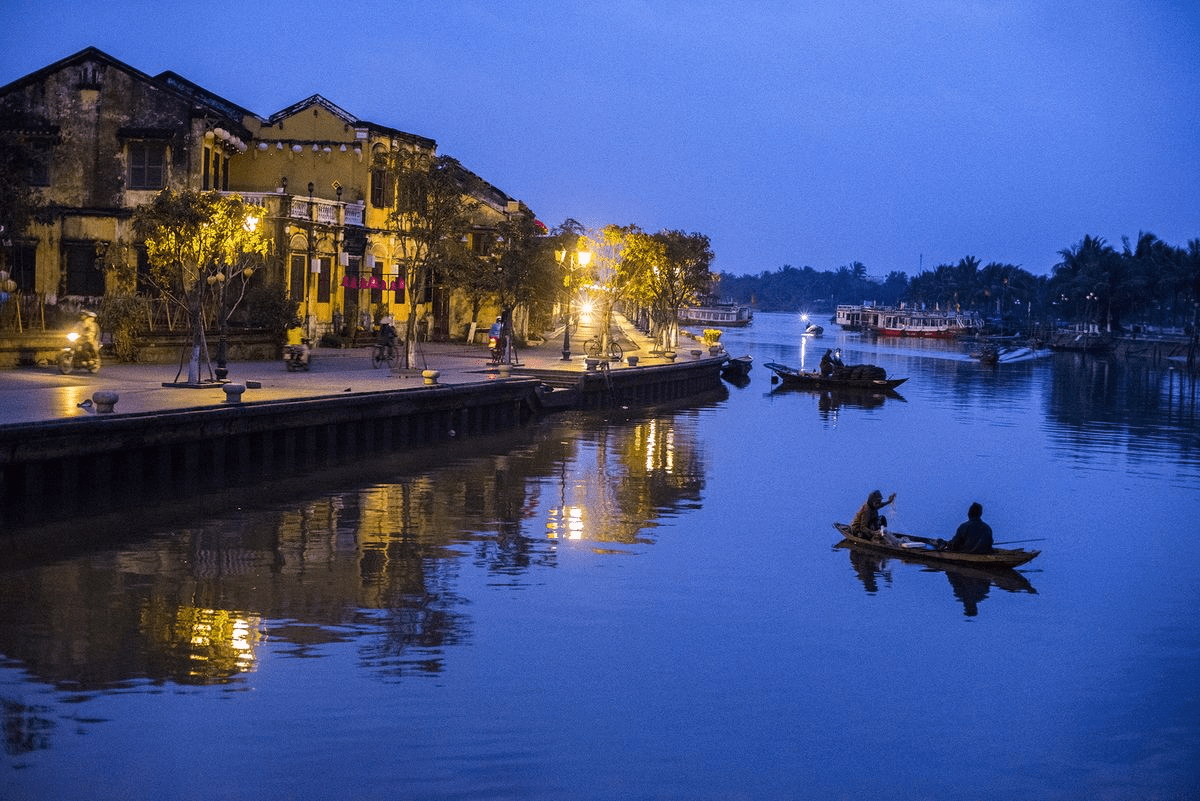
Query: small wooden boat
point(844, 379)
point(924, 549)
point(737, 367)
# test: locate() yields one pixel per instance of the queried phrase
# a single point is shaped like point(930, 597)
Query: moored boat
point(925, 549)
point(844, 378)
point(935, 324)
point(737, 366)
point(730, 315)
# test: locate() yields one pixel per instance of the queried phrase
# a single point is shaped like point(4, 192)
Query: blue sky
point(898, 134)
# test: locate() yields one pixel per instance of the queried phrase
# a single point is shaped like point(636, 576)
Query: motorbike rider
point(89, 335)
point(496, 338)
point(297, 343)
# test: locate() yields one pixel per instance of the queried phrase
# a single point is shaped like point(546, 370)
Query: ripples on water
point(648, 605)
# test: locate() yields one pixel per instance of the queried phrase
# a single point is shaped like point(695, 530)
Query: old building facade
point(108, 138)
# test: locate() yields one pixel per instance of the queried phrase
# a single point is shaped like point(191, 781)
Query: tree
point(682, 276)
point(522, 265)
point(20, 202)
point(432, 198)
point(201, 245)
point(1084, 276)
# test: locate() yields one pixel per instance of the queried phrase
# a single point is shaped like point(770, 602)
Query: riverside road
point(41, 393)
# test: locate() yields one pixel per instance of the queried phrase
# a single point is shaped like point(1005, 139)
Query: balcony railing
point(325, 211)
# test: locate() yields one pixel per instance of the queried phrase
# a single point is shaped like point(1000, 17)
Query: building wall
point(117, 136)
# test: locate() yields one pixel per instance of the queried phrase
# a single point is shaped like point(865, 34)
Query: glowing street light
point(568, 259)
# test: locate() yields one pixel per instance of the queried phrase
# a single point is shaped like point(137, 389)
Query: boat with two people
point(837, 376)
point(925, 549)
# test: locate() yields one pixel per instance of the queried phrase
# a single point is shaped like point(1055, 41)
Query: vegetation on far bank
point(1145, 281)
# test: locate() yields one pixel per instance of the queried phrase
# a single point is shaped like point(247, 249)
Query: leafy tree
point(432, 199)
point(201, 246)
point(1084, 277)
point(522, 265)
point(20, 202)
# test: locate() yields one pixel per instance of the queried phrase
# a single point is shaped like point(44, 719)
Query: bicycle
point(385, 352)
point(593, 349)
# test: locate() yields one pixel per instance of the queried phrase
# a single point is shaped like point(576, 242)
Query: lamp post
point(223, 277)
point(568, 259)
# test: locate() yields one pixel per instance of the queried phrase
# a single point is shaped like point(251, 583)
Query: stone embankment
point(77, 444)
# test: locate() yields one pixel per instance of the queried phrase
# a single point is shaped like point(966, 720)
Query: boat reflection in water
point(831, 401)
point(970, 585)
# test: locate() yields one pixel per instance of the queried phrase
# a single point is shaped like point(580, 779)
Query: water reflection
point(831, 402)
point(969, 585)
point(378, 564)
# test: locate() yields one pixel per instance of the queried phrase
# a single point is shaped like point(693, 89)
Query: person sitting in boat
point(866, 522)
point(827, 363)
point(973, 536)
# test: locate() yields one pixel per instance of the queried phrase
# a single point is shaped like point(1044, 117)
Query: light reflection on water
point(649, 605)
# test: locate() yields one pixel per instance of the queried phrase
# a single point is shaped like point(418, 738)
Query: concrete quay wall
point(63, 468)
point(59, 469)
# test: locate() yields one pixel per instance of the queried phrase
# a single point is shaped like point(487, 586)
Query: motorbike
point(296, 357)
point(496, 346)
point(80, 356)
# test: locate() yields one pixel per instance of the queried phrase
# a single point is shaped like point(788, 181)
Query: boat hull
point(815, 380)
point(998, 558)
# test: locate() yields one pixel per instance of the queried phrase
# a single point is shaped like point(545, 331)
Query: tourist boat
point(816, 380)
point(859, 318)
point(937, 324)
point(904, 322)
point(729, 315)
point(925, 549)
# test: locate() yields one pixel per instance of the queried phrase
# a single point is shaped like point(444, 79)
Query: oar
point(1014, 542)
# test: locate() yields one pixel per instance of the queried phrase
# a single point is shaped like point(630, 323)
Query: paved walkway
point(38, 393)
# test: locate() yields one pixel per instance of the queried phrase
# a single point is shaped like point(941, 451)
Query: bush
point(125, 318)
point(267, 308)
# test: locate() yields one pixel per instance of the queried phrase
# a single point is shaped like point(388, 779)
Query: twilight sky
point(898, 133)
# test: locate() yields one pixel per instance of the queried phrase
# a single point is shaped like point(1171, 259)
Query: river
point(649, 606)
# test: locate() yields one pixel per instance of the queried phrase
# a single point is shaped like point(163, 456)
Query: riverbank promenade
point(40, 393)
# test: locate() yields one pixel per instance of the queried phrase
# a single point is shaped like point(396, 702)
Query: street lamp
point(567, 258)
point(221, 278)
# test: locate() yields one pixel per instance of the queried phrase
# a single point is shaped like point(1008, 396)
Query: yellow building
point(111, 137)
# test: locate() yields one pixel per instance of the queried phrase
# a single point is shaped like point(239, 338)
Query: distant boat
point(908, 322)
point(811, 329)
point(730, 315)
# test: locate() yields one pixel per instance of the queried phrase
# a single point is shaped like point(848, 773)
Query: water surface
point(649, 605)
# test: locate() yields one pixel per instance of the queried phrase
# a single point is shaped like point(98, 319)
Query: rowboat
point(867, 562)
point(737, 366)
point(815, 379)
point(924, 549)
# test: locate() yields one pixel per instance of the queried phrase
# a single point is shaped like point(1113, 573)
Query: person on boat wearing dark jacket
point(827, 363)
point(866, 522)
point(973, 536)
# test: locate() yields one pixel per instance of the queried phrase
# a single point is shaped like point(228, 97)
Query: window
point(377, 293)
point(323, 278)
point(381, 189)
point(24, 265)
point(207, 167)
point(350, 295)
point(146, 165)
point(298, 273)
point(83, 270)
